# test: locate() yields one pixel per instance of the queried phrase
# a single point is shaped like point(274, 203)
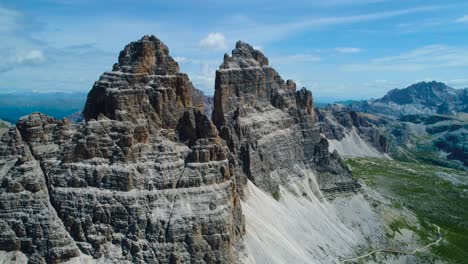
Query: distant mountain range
point(420, 98)
point(426, 121)
point(57, 104)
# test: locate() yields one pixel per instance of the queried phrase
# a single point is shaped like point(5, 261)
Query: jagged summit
point(149, 55)
point(244, 56)
point(145, 84)
point(148, 178)
point(422, 92)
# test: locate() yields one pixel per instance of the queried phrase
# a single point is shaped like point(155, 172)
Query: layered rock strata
point(269, 126)
point(145, 179)
point(148, 177)
point(341, 123)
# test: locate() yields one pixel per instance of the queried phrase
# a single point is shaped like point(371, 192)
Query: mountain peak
point(244, 56)
point(144, 84)
point(149, 55)
point(429, 85)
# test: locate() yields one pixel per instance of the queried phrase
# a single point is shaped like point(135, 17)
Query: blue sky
point(339, 49)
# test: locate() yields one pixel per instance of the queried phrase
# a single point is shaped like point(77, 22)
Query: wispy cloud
point(181, 59)
point(463, 19)
point(295, 58)
point(348, 50)
point(261, 33)
point(10, 20)
point(213, 42)
point(13, 59)
point(204, 79)
point(423, 58)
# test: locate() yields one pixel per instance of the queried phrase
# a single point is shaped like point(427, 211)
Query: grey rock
point(336, 121)
point(269, 126)
point(148, 177)
point(420, 98)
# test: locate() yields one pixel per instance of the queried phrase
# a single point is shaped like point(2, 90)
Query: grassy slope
point(435, 194)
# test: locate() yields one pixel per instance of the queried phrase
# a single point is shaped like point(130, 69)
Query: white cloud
point(30, 57)
point(181, 60)
point(19, 58)
point(423, 58)
point(462, 82)
point(348, 50)
point(261, 33)
point(260, 48)
point(214, 42)
point(204, 77)
point(463, 19)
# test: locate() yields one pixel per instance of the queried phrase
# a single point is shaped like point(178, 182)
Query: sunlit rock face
point(145, 84)
point(269, 125)
point(145, 179)
point(148, 177)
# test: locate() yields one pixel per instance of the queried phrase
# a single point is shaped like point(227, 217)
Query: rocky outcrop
point(338, 123)
point(145, 179)
point(420, 98)
point(148, 177)
point(269, 126)
point(144, 85)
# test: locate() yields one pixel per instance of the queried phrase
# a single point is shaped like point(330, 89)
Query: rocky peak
point(245, 78)
point(148, 177)
point(145, 84)
point(420, 98)
point(244, 56)
point(149, 55)
point(428, 93)
point(269, 126)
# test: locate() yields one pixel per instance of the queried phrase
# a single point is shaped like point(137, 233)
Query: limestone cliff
point(148, 177)
point(269, 126)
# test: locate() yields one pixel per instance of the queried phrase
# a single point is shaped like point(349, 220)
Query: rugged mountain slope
point(269, 126)
point(439, 139)
point(149, 178)
point(145, 179)
point(350, 132)
point(420, 98)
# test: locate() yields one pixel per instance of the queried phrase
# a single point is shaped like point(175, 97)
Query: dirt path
point(397, 251)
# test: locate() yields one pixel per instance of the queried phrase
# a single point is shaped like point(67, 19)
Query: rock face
point(148, 177)
point(144, 85)
point(339, 123)
point(269, 126)
point(420, 98)
point(145, 179)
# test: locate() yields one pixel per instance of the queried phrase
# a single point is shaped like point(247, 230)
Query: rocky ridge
point(148, 177)
point(269, 126)
point(348, 128)
point(420, 98)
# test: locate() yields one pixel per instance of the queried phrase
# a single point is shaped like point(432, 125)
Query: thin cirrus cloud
point(20, 58)
point(419, 59)
point(213, 42)
point(9, 20)
point(463, 19)
point(348, 50)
